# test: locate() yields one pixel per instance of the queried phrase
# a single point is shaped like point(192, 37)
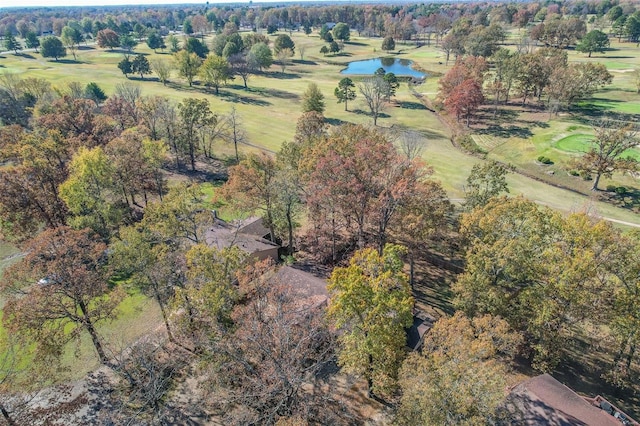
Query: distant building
point(543, 400)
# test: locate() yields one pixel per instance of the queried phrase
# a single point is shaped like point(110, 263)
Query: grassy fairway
point(270, 107)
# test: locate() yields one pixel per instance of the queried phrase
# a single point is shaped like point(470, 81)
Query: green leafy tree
point(95, 93)
point(187, 65)
point(593, 41)
point(334, 47)
point(155, 41)
point(371, 304)
point(194, 45)
point(262, 55)
point(607, 153)
point(486, 180)
point(345, 91)
point(282, 42)
point(187, 28)
point(173, 42)
point(313, 99)
point(392, 84)
point(162, 68)
point(89, 193)
point(461, 357)
point(141, 65)
point(542, 272)
point(126, 66)
point(32, 41)
point(216, 71)
point(388, 44)
point(341, 32)
point(72, 37)
point(324, 50)
point(127, 43)
point(10, 42)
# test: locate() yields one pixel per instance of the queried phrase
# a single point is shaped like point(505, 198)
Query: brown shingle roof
point(543, 400)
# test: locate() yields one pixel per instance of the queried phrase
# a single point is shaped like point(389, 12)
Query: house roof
point(544, 400)
point(223, 234)
point(422, 322)
point(254, 226)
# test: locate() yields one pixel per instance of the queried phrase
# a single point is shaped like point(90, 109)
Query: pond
point(400, 67)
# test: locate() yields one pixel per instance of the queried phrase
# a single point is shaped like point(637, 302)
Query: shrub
point(611, 188)
point(585, 175)
point(574, 173)
point(470, 145)
point(545, 160)
point(621, 190)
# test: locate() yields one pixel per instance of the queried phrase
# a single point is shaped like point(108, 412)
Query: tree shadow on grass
point(368, 113)
point(499, 131)
point(304, 62)
point(355, 43)
point(86, 48)
point(412, 105)
point(25, 55)
point(275, 93)
point(282, 76)
point(68, 61)
point(335, 121)
point(246, 100)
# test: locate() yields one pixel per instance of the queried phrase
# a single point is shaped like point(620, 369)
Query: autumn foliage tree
point(371, 304)
point(60, 291)
point(463, 357)
point(465, 99)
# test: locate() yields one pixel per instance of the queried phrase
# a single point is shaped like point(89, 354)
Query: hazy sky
point(29, 3)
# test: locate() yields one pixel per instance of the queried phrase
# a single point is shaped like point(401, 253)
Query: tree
point(594, 41)
point(215, 71)
point(341, 32)
point(284, 58)
point(155, 41)
point(334, 47)
point(195, 115)
point(373, 90)
point(461, 357)
point(486, 180)
point(607, 152)
point(10, 42)
point(193, 45)
point(187, 28)
point(313, 99)
point(108, 38)
point(151, 264)
point(174, 43)
point(324, 50)
point(52, 47)
point(243, 64)
point(392, 84)
point(95, 93)
point(235, 134)
point(140, 65)
point(65, 291)
point(542, 272)
point(371, 305)
point(345, 91)
point(89, 194)
point(465, 99)
point(252, 186)
point(262, 55)
point(162, 69)
point(187, 64)
point(294, 344)
point(282, 42)
point(32, 41)
point(388, 44)
point(72, 37)
point(126, 66)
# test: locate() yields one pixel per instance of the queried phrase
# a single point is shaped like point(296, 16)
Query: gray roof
point(223, 234)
